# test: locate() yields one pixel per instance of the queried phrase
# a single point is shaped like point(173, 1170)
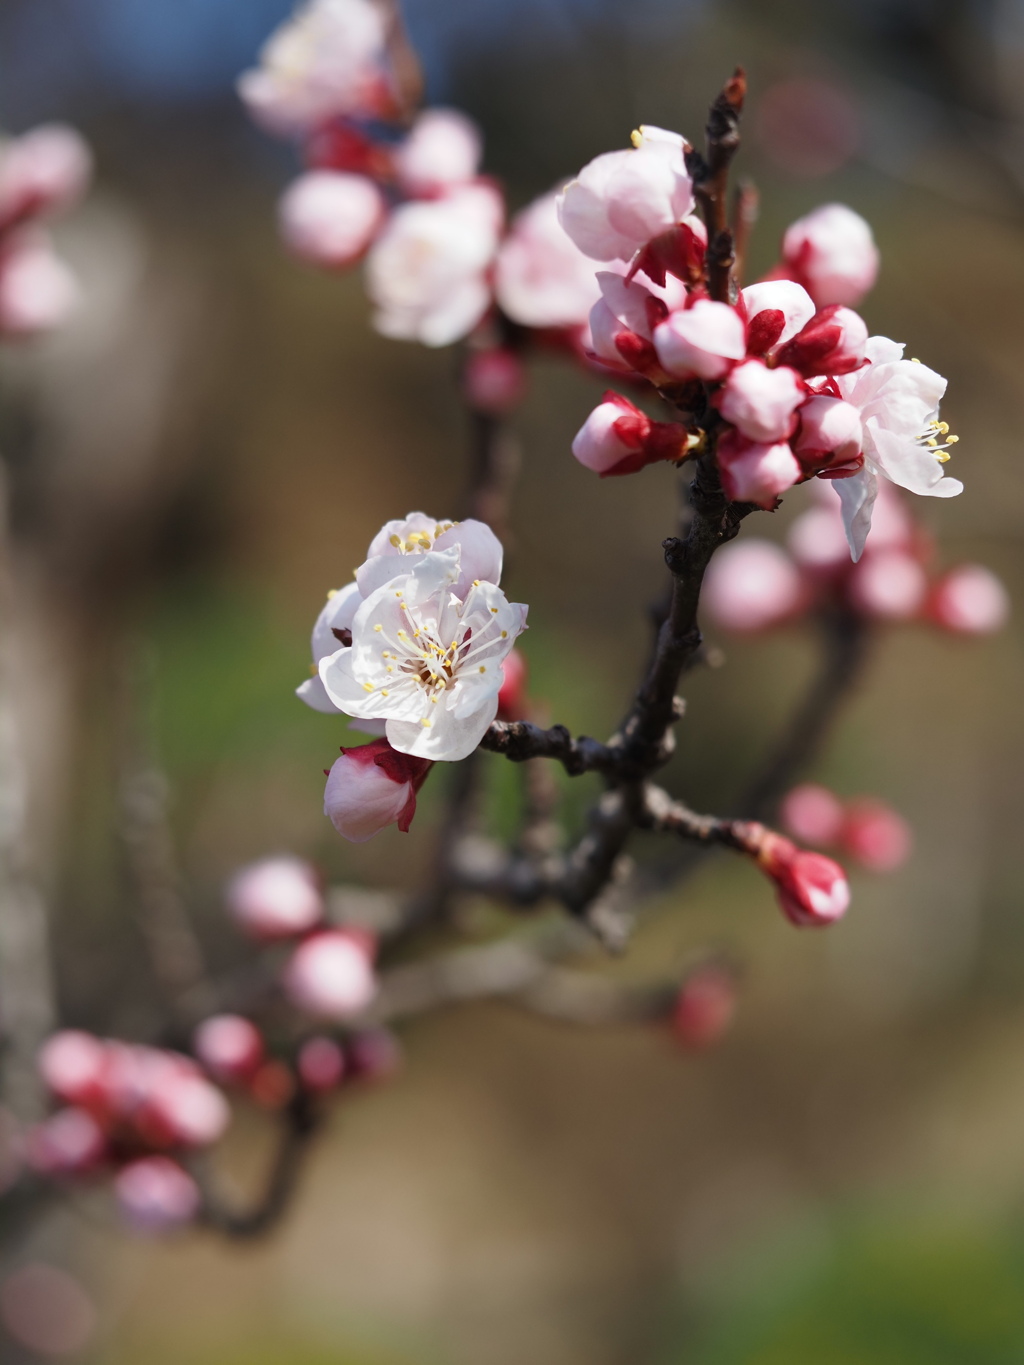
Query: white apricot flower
point(621, 200)
point(904, 441)
point(480, 557)
point(425, 660)
point(427, 271)
point(324, 62)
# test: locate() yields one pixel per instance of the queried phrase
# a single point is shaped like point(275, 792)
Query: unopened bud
point(373, 786)
point(705, 1006)
point(876, 835)
point(331, 976)
point(229, 1047)
point(155, 1194)
point(276, 898)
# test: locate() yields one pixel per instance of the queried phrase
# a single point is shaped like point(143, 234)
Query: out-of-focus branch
point(845, 639)
point(27, 1005)
point(300, 1121)
point(174, 950)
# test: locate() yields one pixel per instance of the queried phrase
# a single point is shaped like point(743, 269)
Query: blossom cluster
point(42, 174)
point(416, 646)
point(441, 258)
point(865, 829)
point(786, 378)
point(131, 1108)
point(137, 1112)
point(756, 584)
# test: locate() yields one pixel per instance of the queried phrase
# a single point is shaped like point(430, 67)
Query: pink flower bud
point(703, 341)
point(889, 585)
point(43, 172)
point(37, 290)
point(776, 310)
point(330, 975)
point(833, 342)
point(832, 253)
point(705, 1006)
point(373, 786)
point(321, 1064)
point(72, 1065)
point(276, 898)
point(512, 696)
point(442, 150)
point(329, 218)
point(617, 438)
point(69, 1142)
point(812, 814)
point(878, 837)
point(183, 1110)
point(374, 1055)
point(812, 889)
point(750, 585)
point(154, 1194)
point(754, 471)
point(494, 381)
point(830, 434)
point(760, 402)
point(229, 1047)
point(970, 600)
point(622, 324)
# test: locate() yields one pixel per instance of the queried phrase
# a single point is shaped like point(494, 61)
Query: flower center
point(937, 439)
point(419, 542)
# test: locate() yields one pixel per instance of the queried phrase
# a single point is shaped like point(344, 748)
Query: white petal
point(480, 553)
point(314, 694)
point(447, 739)
point(337, 613)
point(857, 497)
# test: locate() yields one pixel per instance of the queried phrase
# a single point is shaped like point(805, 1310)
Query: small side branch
point(520, 740)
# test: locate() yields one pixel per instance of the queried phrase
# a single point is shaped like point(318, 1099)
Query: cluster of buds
point(329, 973)
point(420, 646)
point(785, 378)
point(441, 260)
point(42, 174)
point(132, 1109)
point(756, 584)
point(865, 829)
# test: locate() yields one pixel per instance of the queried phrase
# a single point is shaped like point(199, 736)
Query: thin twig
point(300, 1121)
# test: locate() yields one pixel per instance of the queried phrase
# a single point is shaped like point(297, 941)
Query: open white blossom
point(425, 660)
point(904, 441)
point(427, 271)
point(480, 557)
point(326, 61)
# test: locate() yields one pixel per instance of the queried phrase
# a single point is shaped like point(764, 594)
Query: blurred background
point(210, 447)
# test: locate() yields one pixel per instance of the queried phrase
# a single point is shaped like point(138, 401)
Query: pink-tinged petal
point(761, 402)
point(754, 471)
point(542, 278)
point(442, 151)
point(833, 254)
point(703, 341)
